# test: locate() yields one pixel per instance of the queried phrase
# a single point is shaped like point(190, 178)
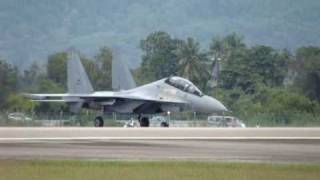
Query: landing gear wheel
point(164, 124)
point(98, 122)
point(144, 122)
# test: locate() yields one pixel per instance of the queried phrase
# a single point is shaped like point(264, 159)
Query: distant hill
point(30, 30)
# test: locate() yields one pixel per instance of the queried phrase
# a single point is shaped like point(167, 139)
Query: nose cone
point(209, 105)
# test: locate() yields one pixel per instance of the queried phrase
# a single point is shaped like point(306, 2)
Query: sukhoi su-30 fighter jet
point(172, 94)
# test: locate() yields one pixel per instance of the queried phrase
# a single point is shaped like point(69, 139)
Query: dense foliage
point(257, 82)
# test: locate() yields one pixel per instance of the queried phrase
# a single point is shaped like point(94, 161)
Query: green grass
point(140, 170)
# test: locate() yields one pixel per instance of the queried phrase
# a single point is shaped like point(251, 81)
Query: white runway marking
point(163, 138)
point(76, 133)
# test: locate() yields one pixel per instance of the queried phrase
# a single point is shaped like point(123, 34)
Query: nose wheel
point(98, 121)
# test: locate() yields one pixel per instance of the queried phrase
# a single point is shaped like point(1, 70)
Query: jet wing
point(100, 97)
point(46, 97)
point(138, 97)
point(51, 100)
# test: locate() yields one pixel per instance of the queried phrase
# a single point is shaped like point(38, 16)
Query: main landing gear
point(144, 121)
point(98, 122)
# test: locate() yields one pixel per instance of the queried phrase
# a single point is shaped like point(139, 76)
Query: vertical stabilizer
point(121, 76)
point(78, 81)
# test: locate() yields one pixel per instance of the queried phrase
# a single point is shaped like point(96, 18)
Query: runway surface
point(275, 145)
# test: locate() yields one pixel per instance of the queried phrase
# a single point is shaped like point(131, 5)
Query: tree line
point(254, 82)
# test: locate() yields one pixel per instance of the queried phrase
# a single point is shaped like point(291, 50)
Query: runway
point(275, 145)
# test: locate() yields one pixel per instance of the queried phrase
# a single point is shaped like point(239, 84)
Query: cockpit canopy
point(183, 85)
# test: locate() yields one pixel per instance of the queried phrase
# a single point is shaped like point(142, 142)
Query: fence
point(185, 119)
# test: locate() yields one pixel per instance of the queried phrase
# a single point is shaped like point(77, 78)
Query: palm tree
point(217, 48)
point(221, 48)
point(234, 41)
point(193, 64)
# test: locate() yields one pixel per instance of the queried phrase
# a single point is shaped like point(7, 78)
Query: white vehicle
point(156, 121)
point(159, 120)
point(17, 116)
point(225, 121)
point(131, 124)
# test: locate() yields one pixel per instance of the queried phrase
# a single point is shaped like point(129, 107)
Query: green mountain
point(30, 30)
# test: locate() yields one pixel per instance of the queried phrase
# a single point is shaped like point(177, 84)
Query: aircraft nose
point(214, 105)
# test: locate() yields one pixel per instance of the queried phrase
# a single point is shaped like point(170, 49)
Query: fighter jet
point(171, 94)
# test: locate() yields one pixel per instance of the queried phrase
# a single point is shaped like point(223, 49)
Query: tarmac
point(270, 145)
